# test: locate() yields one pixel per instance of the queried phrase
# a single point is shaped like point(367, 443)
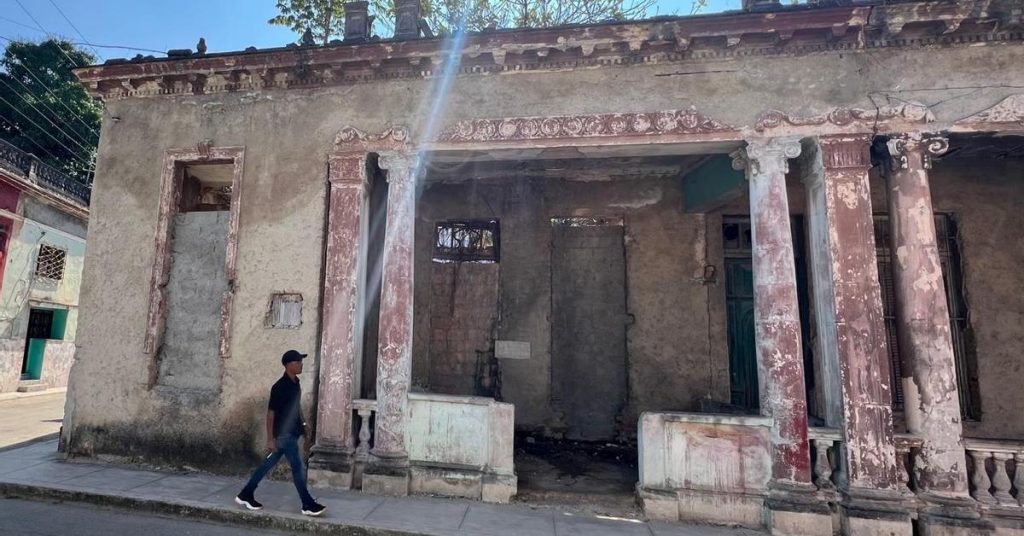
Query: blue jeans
point(287, 446)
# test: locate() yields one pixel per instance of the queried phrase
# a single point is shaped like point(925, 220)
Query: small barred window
point(460, 241)
point(50, 262)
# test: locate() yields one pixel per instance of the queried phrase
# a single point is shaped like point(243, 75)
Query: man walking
point(285, 425)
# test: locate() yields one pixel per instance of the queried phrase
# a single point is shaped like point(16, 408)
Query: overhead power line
point(70, 151)
point(75, 28)
point(79, 137)
point(75, 114)
point(17, 130)
point(22, 24)
point(52, 94)
point(89, 44)
point(77, 140)
point(29, 13)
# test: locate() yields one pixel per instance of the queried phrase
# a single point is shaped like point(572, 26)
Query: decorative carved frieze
point(844, 117)
point(351, 139)
point(583, 126)
point(1009, 112)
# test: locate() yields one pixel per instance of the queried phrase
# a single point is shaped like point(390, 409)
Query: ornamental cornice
point(351, 139)
point(1009, 112)
point(788, 32)
point(848, 118)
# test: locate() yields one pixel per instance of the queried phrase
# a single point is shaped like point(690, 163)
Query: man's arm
point(307, 431)
point(271, 440)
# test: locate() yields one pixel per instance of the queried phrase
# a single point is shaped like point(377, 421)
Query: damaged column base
point(873, 512)
point(940, 515)
point(387, 475)
point(467, 483)
point(331, 467)
point(797, 510)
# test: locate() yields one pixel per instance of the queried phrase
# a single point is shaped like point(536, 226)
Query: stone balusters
point(999, 482)
point(825, 442)
point(364, 410)
point(979, 479)
point(907, 446)
point(1018, 476)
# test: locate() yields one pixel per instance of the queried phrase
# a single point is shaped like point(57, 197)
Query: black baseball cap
point(292, 355)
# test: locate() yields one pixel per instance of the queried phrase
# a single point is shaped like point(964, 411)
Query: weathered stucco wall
point(287, 135)
point(671, 365)
point(12, 355)
point(110, 408)
point(985, 197)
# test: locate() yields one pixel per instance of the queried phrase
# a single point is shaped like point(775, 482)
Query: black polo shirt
point(285, 402)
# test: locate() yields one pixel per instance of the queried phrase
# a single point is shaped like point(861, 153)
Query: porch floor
point(585, 478)
point(35, 472)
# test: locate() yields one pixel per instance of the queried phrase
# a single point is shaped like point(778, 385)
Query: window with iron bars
point(50, 262)
point(948, 241)
point(466, 241)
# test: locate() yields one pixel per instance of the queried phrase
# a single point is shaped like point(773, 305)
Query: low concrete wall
point(12, 354)
point(461, 446)
point(702, 467)
point(57, 359)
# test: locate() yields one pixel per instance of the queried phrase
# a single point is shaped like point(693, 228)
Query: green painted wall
point(22, 290)
point(713, 183)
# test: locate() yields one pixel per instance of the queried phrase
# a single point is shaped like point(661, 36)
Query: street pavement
point(31, 518)
point(35, 472)
point(24, 418)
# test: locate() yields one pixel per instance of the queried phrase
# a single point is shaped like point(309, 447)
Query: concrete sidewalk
point(34, 471)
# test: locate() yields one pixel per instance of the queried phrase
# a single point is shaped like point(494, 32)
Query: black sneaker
point(247, 500)
point(314, 509)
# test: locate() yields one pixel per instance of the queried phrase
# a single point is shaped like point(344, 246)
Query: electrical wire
point(52, 94)
point(16, 129)
point(79, 32)
point(44, 131)
point(22, 24)
point(69, 137)
point(58, 99)
point(41, 27)
point(79, 137)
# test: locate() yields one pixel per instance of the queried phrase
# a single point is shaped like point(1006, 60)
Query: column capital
point(901, 146)
point(763, 155)
point(851, 151)
point(397, 161)
point(348, 170)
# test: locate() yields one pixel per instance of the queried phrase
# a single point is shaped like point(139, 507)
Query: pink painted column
point(776, 310)
point(932, 402)
point(851, 329)
point(388, 471)
point(342, 334)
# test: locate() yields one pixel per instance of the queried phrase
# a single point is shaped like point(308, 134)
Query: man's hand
point(307, 445)
point(271, 445)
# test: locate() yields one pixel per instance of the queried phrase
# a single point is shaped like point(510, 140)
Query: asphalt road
point(29, 518)
point(24, 419)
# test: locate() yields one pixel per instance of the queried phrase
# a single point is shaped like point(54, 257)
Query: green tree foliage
point(44, 110)
point(326, 18)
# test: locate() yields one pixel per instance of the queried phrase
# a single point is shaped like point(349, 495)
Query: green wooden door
point(739, 298)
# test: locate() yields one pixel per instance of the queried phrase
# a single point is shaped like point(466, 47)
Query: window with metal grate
point(50, 262)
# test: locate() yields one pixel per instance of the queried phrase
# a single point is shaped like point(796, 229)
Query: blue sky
point(160, 25)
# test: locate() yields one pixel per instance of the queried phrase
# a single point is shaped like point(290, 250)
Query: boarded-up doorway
point(588, 293)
